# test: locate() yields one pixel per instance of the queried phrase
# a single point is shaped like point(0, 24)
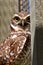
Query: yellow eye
point(16, 19)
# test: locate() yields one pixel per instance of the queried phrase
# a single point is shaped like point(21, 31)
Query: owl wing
point(11, 47)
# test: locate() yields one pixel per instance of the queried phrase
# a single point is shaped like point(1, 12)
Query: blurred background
point(7, 9)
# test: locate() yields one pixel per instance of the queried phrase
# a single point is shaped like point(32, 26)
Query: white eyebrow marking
point(20, 16)
point(16, 15)
point(27, 16)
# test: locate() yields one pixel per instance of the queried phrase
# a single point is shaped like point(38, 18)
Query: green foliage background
point(7, 9)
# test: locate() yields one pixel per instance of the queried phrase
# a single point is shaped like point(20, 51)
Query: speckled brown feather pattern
point(23, 14)
point(14, 49)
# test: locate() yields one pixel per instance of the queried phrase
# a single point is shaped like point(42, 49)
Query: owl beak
point(22, 23)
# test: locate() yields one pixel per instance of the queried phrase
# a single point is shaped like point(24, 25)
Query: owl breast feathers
point(12, 46)
point(17, 42)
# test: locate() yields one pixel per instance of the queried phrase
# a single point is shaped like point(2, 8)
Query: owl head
point(20, 21)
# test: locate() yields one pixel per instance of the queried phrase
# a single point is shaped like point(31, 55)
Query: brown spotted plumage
point(17, 44)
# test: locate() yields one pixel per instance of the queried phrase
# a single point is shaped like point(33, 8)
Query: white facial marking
point(16, 15)
point(14, 27)
point(26, 16)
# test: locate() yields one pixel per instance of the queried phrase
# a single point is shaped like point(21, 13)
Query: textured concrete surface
point(37, 25)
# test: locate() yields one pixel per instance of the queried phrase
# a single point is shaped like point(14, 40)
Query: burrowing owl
point(16, 48)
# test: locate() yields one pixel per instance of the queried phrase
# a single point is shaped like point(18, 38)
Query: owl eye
point(16, 19)
point(28, 19)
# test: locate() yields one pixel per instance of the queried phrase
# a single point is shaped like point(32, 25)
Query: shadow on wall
point(7, 9)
